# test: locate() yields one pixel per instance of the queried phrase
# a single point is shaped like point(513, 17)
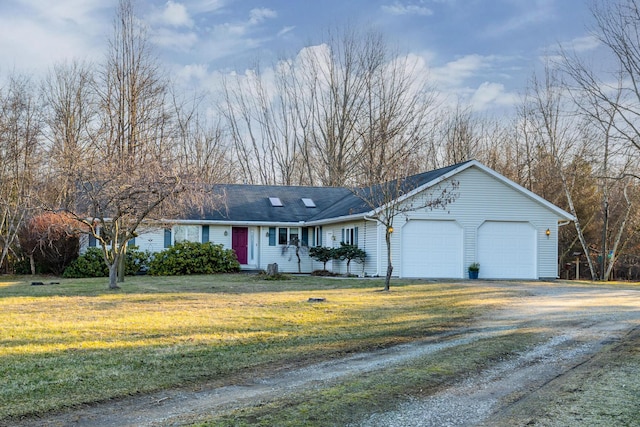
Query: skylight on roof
point(275, 202)
point(308, 202)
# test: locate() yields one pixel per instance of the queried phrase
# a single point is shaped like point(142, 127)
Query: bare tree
point(609, 98)
point(69, 112)
point(201, 149)
point(557, 137)
point(262, 119)
point(20, 128)
point(400, 196)
point(327, 116)
point(128, 170)
point(461, 135)
point(334, 76)
point(618, 29)
point(396, 116)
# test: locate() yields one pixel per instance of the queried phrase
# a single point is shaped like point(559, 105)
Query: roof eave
point(337, 219)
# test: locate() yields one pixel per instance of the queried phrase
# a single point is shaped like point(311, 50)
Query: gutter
point(337, 219)
point(231, 223)
point(378, 242)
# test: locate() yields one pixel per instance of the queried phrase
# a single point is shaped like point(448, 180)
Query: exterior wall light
point(390, 230)
point(548, 233)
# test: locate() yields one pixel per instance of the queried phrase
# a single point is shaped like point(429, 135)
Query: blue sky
point(482, 51)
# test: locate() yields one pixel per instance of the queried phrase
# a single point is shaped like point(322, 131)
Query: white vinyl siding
point(482, 198)
point(150, 239)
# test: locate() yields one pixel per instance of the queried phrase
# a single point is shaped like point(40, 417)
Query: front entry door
point(239, 243)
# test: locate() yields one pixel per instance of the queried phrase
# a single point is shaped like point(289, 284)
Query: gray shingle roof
point(250, 203)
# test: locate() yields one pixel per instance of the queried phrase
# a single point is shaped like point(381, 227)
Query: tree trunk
point(122, 264)
point(113, 275)
point(387, 280)
point(32, 263)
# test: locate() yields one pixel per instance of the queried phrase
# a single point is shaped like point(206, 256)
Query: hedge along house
point(509, 230)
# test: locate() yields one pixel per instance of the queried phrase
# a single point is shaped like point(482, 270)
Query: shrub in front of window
point(193, 258)
point(350, 253)
point(322, 254)
point(91, 263)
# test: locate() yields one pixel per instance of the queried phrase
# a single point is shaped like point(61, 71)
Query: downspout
point(378, 243)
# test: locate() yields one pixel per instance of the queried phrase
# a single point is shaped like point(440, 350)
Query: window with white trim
point(186, 233)
point(350, 236)
point(286, 235)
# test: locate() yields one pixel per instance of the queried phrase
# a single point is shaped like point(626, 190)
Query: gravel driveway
point(577, 320)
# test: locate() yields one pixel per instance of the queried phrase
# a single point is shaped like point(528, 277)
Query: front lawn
point(77, 342)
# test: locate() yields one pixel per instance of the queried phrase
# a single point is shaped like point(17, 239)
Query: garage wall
point(483, 197)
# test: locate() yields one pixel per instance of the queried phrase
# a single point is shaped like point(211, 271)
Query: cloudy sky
point(482, 51)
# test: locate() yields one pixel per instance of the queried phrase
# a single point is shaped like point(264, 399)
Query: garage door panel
point(507, 250)
point(432, 249)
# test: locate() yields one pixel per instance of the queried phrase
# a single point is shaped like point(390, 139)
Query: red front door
point(239, 239)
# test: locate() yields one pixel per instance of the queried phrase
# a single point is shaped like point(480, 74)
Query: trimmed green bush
point(91, 263)
point(193, 258)
point(350, 253)
point(322, 254)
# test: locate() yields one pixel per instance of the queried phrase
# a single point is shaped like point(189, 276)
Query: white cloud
point(34, 35)
point(286, 30)
point(176, 15)
point(175, 40)
point(191, 72)
point(76, 12)
point(398, 8)
point(533, 12)
point(584, 44)
point(205, 6)
point(259, 15)
point(454, 73)
point(172, 27)
point(489, 95)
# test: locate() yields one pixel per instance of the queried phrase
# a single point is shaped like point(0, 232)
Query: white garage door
point(432, 249)
point(507, 250)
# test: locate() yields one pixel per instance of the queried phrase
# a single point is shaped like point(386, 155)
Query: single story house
point(510, 231)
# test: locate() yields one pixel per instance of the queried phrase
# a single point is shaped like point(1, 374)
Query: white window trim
point(349, 235)
point(299, 234)
point(174, 233)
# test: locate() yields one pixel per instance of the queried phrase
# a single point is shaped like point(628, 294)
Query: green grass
point(353, 399)
point(77, 342)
